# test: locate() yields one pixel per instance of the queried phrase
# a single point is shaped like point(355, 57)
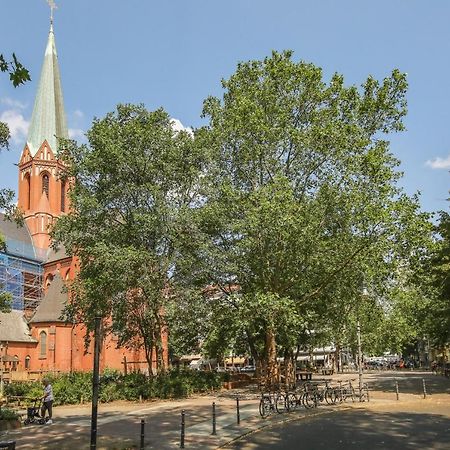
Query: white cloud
point(78, 114)
point(15, 104)
point(178, 126)
point(76, 133)
point(439, 163)
point(18, 126)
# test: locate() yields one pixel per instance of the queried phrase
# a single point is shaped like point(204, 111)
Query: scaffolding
point(23, 280)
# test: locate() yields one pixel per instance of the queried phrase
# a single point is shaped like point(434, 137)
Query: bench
point(327, 371)
point(303, 376)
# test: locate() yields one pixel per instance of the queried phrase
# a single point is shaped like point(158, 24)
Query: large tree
point(302, 204)
point(132, 189)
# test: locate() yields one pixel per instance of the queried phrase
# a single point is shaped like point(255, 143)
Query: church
point(34, 337)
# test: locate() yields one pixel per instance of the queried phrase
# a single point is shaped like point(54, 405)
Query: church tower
point(42, 195)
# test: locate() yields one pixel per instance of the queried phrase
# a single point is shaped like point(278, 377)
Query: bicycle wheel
point(291, 402)
point(280, 403)
point(264, 406)
point(330, 396)
point(309, 400)
point(352, 393)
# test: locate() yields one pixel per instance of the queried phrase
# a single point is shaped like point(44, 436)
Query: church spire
point(48, 121)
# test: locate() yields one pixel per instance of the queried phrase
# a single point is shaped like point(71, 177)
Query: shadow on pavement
point(410, 383)
point(355, 430)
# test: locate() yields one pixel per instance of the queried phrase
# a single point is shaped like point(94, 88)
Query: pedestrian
point(47, 400)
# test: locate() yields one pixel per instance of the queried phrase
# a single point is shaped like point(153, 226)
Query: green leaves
point(135, 184)
point(18, 74)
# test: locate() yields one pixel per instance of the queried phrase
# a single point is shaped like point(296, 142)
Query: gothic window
point(27, 191)
point(27, 361)
point(45, 183)
point(48, 280)
point(43, 341)
point(63, 196)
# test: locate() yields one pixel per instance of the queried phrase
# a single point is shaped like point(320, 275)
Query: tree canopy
point(258, 231)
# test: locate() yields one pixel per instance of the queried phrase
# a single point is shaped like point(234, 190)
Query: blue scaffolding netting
point(22, 279)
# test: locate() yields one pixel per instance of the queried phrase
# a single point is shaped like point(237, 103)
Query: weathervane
point(53, 6)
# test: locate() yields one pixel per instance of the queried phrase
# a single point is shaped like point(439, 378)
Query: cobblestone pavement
point(119, 422)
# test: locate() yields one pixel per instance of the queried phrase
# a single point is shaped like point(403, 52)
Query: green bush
point(8, 414)
point(71, 388)
point(24, 389)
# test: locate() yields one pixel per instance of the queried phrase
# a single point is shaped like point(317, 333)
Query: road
point(411, 424)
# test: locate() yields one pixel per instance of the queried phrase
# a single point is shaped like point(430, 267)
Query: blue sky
point(174, 53)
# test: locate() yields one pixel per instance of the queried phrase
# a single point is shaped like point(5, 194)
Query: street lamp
point(364, 294)
point(1, 371)
point(358, 333)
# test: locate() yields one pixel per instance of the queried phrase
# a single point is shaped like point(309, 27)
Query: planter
point(10, 424)
point(235, 384)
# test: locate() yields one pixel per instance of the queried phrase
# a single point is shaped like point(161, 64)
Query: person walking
point(47, 401)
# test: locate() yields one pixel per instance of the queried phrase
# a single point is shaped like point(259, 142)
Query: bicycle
point(271, 402)
point(345, 392)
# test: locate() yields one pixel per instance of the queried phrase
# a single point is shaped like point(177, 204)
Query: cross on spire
point(53, 6)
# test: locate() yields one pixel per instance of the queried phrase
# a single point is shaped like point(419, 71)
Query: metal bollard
point(238, 414)
point(424, 388)
point(396, 388)
point(142, 434)
point(182, 429)
point(214, 418)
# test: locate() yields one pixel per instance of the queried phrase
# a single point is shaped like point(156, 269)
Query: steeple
point(48, 121)
point(42, 193)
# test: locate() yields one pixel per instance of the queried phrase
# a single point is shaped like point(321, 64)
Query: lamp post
point(95, 383)
point(1, 371)
point(360, 374)
point(364, 294)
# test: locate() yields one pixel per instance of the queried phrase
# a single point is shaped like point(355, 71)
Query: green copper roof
point(48, 120)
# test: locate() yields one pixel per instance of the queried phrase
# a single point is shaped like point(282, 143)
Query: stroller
point(34, 413)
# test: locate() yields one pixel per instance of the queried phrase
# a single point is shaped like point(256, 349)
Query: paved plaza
point(410, 422)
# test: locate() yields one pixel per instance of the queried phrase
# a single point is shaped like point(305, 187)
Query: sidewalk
point(119, 423)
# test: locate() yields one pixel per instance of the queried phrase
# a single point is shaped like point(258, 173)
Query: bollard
point(182, 430)
point(424, 388)
point(142, 434)
point(238, 414)
point(214, 418)
point(396, 388)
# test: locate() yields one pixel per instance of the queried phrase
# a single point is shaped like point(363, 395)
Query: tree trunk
point(289, 368)
point(272, 365)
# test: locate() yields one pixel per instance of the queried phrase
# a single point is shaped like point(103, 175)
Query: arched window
point(27, 191)
point(45, 183)
point(48, 280)
point(15, 362)
point(27, 361)
point(63, 196)
point(67, 275)
point(43, 341)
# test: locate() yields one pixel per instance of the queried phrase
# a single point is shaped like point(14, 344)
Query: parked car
point(248, 369)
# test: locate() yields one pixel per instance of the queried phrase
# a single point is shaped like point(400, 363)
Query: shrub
point(24, 389)
point(70, 388)
point(8, 414)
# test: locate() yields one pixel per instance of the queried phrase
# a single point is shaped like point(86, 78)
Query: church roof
point(52, 304)
point(49, 119)
point(56, 255)
point(13, 328)
point(18, 239)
